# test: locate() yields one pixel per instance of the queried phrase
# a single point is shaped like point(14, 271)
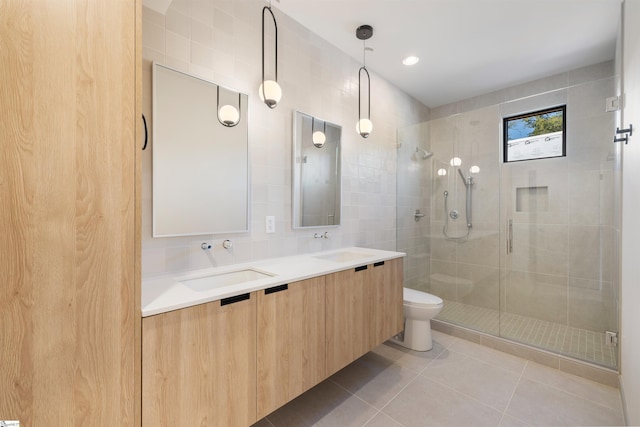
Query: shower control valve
point(454, 214)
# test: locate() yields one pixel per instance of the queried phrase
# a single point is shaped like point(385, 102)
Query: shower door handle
point(510, 237)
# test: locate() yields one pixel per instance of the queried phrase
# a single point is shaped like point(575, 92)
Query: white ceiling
point(466, 47)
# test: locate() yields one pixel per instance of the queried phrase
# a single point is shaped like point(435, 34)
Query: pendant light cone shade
point(228, 115)
point(364, 125)
point(270, 93)
point(269, 90)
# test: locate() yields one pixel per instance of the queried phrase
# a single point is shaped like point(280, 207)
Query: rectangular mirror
point(316, 172)
point(200, 165)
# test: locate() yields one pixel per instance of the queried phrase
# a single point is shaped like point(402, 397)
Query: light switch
point(270, 224)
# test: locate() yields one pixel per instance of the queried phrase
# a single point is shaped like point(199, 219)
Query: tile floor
point(562, 339)
point(457, 383)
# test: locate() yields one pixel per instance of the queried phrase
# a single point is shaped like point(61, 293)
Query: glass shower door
point(524, 250)
point(557, 282)
point(464, 233)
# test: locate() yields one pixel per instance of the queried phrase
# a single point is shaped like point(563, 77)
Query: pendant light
point(228, 115)
point(318, 137)
point(364, 125)
point(269, 90)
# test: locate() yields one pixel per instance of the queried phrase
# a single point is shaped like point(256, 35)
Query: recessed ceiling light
point(410, 60)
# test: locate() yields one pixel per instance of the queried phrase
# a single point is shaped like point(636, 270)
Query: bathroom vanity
point(233, 354)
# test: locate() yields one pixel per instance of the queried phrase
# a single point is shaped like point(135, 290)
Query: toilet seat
point(420, 299)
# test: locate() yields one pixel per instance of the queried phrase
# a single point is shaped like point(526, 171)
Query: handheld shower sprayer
point(466, 181)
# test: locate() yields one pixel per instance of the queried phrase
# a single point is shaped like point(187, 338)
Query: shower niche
point(532, 199)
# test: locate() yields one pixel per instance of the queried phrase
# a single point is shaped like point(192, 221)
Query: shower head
point(466, 181)
point(423, 154)
point(462, 176)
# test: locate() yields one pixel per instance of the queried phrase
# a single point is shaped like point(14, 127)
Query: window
point(537, 135)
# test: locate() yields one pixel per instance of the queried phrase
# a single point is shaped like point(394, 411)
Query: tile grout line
point(390, 400)
point(370, 419)
point(574, 394)
point(269, 421)
point(481, 361)
point(418, 375)
point(522, 375)
point(400, 391)
point(360, 399)
point(468, 396)
point(526, 363)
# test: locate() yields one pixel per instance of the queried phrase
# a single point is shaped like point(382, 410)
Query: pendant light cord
point(364, 67)
point(275, 25)
point(364, 53)
point(364, 125)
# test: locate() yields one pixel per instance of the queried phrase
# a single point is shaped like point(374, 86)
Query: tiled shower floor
point(566, 340)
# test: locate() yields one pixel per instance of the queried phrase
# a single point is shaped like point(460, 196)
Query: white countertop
point(167, 292)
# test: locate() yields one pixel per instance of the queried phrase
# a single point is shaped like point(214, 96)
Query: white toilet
point(419, 309)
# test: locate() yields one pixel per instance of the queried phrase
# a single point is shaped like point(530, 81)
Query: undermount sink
point(220, 280)
point(343, 256)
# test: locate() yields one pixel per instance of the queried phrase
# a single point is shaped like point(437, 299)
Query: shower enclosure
point(525, 250)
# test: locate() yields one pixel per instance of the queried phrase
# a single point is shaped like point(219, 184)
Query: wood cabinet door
point(385, 316)
point(199, 366)
point(291, 346)
point(69, 278)
point(347, 313)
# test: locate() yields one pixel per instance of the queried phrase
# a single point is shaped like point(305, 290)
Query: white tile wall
point(220, 40)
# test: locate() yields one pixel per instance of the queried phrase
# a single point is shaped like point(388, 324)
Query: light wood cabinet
point(291, 332)
point(364, 309)
point(232, 362)
point(386, 315)
point(69, 245)
point(347, 308)
point(199, 365)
